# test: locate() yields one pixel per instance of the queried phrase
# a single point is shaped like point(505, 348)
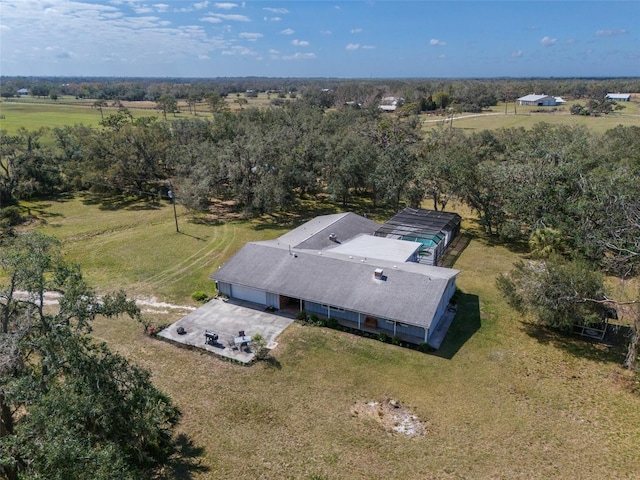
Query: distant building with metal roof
point(618, 97)
point(537, 100)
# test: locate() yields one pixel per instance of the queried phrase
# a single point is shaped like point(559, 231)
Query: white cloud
point(300, 56)
point(548, 42)
point(273, 51)
point(272, 19)
point(276, 10)
point(300, 43)
point(368, 47)
point(287, 31)
point(161, 7)
point(437, 43)
point(91, 34)
point(144, 9)
point(225, 6)
point(356, 30)
point(353, 46)
point(211, 19)
point(610, 32)
point(326, 32)
point(232, 18)
point(201, 5)
point(238, 50)
point(252, 37)
point(516, 54)
point(204, 57)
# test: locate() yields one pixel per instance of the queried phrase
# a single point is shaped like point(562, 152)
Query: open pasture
point(33, 115)
point(527, 117)
point(501, 399)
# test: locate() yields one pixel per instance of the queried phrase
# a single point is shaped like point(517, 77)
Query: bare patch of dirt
point(392, 415)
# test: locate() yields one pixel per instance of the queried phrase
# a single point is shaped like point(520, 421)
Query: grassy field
point(500, 400)
point(526, 117)
point(33, 113)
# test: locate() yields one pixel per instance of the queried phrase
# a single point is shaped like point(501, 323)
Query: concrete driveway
point(227, 318)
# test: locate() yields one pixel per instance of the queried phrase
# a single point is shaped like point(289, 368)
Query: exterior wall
point(443, 304)
point(224, 288)
point(273, 300)
point(408, 333)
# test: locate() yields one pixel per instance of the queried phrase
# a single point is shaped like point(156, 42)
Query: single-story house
point(560, 100)
point(537, 100)
point(618, 97)
point(434, 230)
point(335, 267)
point(23, 91)
point(390, 104)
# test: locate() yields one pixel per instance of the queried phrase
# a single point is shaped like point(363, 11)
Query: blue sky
point(346, 39)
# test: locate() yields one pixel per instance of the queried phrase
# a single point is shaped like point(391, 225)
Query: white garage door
point(249, 294)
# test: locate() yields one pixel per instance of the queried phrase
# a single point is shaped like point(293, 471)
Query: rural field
point(501, 399)
point(526, 117)
point(36, 113)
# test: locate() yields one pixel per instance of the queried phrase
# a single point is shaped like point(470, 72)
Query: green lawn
point(500, 400)
point(32, 114)
point(527, 117)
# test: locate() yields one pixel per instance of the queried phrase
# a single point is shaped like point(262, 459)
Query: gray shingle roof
point(409, 294)
point(314, 234)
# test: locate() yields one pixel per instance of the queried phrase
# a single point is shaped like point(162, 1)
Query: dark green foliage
point(70, 408)
point(557, 293)
point(200, 296)
point(10, 217)
point(383, 337)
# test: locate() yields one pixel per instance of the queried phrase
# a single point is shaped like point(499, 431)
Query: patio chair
point(232, 344)
point(241, 333)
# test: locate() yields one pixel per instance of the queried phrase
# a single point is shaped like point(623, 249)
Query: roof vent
point(333, 237)
point(377, 273)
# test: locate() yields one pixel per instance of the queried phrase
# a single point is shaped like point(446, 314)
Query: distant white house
point(618, 97)
point(560, 101)
point(390, 104)
point(537, 100)
point(23, 91)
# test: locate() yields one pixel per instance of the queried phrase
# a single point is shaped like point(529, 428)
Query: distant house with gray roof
point(335, 267)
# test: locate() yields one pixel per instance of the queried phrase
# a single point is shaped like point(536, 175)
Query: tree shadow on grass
point(113, 201)
point(185, 464)
point(477, 232)
point(464, 325)
point(611, 350)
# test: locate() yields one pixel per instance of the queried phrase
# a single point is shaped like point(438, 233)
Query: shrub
point(425, 348)
point(314, 320)
point(200, 296)
point(395, 340)
point(302, 315)
point(331, 322)
point(383, 337)
point(259, 345)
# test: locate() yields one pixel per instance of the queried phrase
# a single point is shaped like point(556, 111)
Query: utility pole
point(173, 200)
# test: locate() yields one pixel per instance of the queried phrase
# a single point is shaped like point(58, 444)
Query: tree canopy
point(69, 406)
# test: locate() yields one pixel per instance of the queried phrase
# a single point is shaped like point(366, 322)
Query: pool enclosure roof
point(419, 224)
